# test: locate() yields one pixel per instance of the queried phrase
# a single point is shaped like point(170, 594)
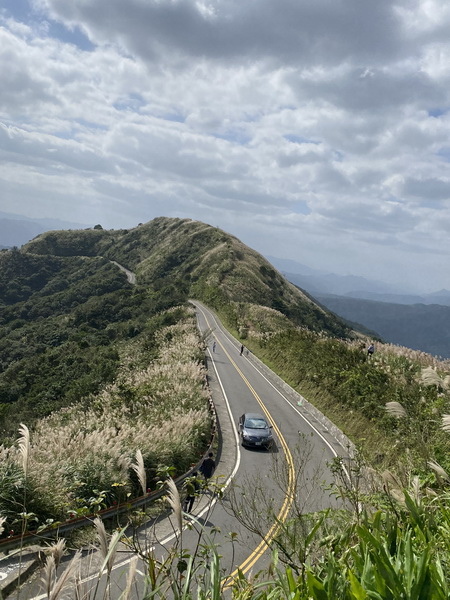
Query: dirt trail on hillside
point(130, 275)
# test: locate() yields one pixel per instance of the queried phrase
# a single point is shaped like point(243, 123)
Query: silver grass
point(139, 469)
point(107, 550)
point(102, 537)
point(395, 409)
point(57, 550)
point(66, 576)
point(49, 575)
point(391, 480)
point(393, 486)
point(430, 377)
point(130, 579)
point(446, 422)
point(24, 446)
point(415, 488)
point(80, 592)
point(440, 471)
point(174, 501)
point(174, 380)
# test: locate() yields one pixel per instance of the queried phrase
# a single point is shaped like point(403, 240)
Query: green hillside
point(420, 326)
point(192, 258)
point(109, 378)
point(91, 358)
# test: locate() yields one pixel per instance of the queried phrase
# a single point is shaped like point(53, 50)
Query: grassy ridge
point(356, 392)
point(67, 304)
point(197, 259)
point(80, 457)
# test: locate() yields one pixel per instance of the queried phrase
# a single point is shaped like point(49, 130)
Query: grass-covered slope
point(194, 258)
point(66, 306)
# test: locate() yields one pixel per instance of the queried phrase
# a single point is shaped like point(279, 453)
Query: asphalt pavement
point(224, 359)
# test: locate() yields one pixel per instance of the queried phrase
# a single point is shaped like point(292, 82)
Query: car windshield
point(255, 423)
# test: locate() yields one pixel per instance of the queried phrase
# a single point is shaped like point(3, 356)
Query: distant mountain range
point(16, 230)
point(418, 326)
point(319, 282)
point(417, 321)
point(420, 322)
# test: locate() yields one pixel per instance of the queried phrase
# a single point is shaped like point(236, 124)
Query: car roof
point(254, 416)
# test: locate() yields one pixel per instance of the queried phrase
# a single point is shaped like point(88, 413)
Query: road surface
point(295, 471)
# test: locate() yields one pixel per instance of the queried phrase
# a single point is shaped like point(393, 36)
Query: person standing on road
point(192, 486)
point(208, 467)
point(214, 346)
point(242, 349)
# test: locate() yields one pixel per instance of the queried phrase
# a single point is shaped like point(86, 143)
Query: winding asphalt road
point(305, 444)
point(297, 470)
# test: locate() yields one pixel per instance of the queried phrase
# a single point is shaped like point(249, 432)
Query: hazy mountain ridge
point(420, 322)
point(206, 262)
point(16, 230)
point(417, 326)
point(321, 282)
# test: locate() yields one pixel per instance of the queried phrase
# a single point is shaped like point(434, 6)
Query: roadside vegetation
point(108, 379)
point(393, 405)
point(81, 458)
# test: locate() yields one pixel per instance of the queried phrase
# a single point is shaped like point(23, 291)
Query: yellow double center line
point(289, 497)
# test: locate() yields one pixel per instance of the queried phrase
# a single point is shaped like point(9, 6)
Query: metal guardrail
point(28, 538)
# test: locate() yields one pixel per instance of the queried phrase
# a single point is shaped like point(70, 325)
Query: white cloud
point(314, 130)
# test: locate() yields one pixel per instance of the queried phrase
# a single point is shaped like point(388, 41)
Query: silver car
point(255, 431)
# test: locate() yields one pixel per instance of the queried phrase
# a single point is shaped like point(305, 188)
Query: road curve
point(300, 428)
point(241, 383)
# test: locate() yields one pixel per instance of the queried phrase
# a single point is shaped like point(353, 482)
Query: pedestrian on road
point(208, 467)
point(242, 349)
point(192, 487)
point(214, 346)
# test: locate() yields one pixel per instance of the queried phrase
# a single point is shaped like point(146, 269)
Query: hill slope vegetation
point(418, 326)
point(109, 377)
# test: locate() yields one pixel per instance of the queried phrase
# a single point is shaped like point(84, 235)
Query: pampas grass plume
point(53, 588)
point(395, 409)
point(430, 377)
point(174, 501)
point(440, 471)
point(446, 423)
point(24, 446)
point(130, 578)
point(107, 550)
point(139, 469)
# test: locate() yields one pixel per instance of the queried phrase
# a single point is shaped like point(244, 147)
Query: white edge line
point(333, 451)
point(213, 501)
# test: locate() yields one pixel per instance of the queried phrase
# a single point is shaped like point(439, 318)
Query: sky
point(315, 131)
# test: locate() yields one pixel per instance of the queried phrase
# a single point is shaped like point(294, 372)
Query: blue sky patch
point(19, 9)
point(437, 112)
point(132, 102)
point(70, 36)
point(301, 208)
point(299, 139)
point(22, 11)
point(236, 137)
point(175, 117)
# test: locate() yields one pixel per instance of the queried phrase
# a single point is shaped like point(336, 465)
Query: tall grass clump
point(358, 394)
point(111, 446)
